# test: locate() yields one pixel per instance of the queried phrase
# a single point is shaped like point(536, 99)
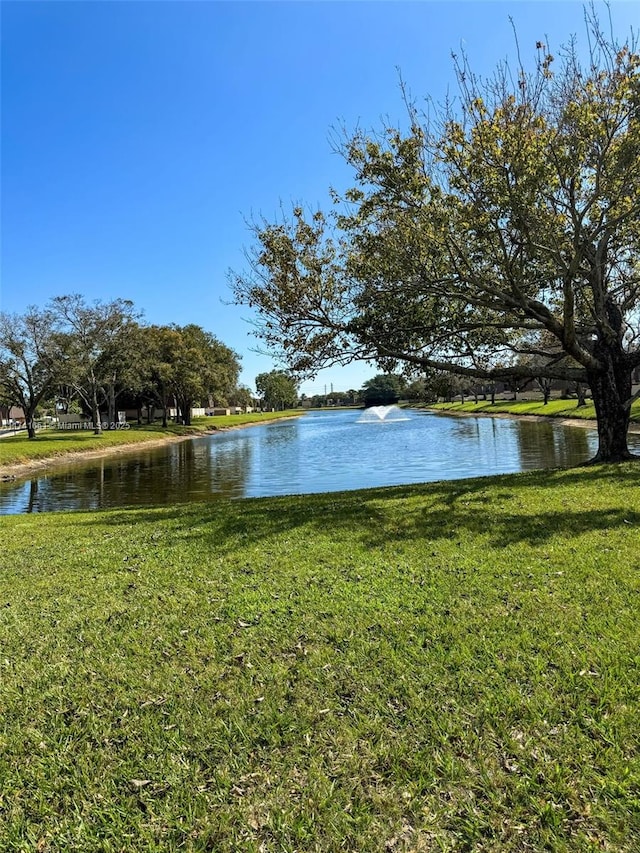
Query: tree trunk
point(165, 405)
point(611, 391)
point(29, 408)
point(112, 403)
point(580, 393)
point(31, 425)
point(184, 411)
point(95, 414)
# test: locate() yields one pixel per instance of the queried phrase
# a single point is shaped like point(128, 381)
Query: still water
point(318, 452)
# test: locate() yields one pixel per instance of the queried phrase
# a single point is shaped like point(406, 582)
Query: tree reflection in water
point(543, 444)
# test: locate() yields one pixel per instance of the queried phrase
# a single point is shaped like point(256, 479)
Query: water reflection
point(176, 473)
point(467, 427)
point(322, 451)
point(541, 445)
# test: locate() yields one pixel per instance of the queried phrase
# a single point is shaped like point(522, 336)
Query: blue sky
point(139, 137)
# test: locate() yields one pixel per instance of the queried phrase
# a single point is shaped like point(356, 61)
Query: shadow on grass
point(529, 508)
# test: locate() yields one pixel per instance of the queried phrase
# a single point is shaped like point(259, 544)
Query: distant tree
point(200, 368)
point(515, 383)
point(241, 396)
point(580, 392)
point(6, 401)
point(161, 345)
point(154, 347)
point(539, 352)
point(123, 366)
point(441, 384)
point(31, 360)
point(340, 398)
point(65, 398)
point(142, 385)
point(416, 392)
point(383, 390)
point(278, 389)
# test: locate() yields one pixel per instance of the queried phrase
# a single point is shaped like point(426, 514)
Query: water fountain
point(378, 414)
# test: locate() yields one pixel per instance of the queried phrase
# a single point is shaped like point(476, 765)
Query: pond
point(318, 452)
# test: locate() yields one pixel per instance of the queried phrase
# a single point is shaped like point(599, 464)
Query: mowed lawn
point(448, 667)
point(518, 408)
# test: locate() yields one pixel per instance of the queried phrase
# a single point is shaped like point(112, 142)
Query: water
point(319, 452)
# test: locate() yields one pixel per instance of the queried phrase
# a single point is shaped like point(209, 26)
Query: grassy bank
point(451, 667)
point(51, 443)
point(553, 409)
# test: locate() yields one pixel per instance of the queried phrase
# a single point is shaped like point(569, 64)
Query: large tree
point(31, 360)
point(383, 389)
point(95, 336)
point(241, 396)
point(199, 367)
point(468, 240)
point(161, 349)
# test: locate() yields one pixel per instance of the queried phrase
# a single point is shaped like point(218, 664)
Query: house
point(12, 416)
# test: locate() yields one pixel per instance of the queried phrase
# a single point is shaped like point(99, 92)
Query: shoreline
point(16, 470)
point(19, 470)
point(585, 423)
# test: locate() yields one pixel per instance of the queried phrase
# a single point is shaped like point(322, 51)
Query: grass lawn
point(553, 409)
point(53, 443)
point(448, 667)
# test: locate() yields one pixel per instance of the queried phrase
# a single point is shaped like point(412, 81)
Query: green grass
point(553, 409)
point(51, 443)
point(448, 667)
point(226, 421)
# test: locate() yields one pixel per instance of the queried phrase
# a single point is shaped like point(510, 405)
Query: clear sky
point(139, 137)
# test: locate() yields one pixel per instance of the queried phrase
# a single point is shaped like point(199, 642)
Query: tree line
point(101, 357)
